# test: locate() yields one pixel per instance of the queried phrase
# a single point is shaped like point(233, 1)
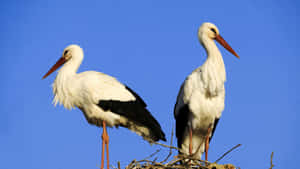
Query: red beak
point(226, 45)
point(60, 62)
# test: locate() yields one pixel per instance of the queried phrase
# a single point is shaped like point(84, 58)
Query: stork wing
point(214, 128)
point(135, 111)
point(182, 111)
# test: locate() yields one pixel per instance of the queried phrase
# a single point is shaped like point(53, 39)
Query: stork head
point(209, 30)
point(72, 52)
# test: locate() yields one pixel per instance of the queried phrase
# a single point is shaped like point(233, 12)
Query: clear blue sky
point(151, 46)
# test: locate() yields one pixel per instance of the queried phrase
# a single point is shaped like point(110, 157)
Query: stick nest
point(174, 164)
point(179, 162)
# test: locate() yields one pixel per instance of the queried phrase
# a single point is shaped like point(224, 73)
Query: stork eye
point(212, 29)
point(66, 52)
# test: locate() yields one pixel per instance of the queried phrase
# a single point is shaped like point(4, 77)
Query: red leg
point(103, 142)
point(107, 155)
point(207, 143)
point(191, 141)
point(106, 142)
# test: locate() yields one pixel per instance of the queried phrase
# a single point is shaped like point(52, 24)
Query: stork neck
point(212, 50)
point(63, 86)
point(214, 57)
point(213, 70)
point(70, 68)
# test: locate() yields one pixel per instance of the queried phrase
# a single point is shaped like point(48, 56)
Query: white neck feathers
point(64, 87)
point(213, 70)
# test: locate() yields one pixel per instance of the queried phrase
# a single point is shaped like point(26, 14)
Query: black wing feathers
point(181, 123)
point(137, 97)
point(214, 128)
point(135, 111)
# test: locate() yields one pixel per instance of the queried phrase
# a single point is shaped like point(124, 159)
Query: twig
point(272, 165)
point(171, 144)
point(132, 163)
point(151, 155)
point(227, 153)
point(172, 147)
point(119, 165)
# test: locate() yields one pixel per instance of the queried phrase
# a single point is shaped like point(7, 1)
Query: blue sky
point(151, 46)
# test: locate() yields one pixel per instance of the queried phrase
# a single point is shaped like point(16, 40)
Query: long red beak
point(226, 45)
point(60, 62)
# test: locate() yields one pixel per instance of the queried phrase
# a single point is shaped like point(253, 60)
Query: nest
point(174, 164)
point(181, 161)
point(178, 162)
point(187, 162)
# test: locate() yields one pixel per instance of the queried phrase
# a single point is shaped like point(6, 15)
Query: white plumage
point(200, 101)
point(92, 87)
point(102, 99)
point(84, 90)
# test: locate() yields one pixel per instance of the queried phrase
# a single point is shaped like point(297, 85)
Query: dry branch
point(227, 153)
point(272, 165)
point(171, 143)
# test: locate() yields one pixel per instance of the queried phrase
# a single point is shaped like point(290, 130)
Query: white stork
point(103, 100)
point(200, 101)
